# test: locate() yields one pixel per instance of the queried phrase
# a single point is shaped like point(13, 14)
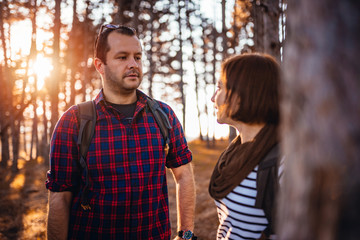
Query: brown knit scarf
point(238, 160)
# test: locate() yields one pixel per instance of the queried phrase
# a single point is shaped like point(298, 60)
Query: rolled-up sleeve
point(179, 152)
point(64, 173)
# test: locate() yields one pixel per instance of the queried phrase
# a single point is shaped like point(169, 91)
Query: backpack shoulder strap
point(87, 118)
point(162, 121)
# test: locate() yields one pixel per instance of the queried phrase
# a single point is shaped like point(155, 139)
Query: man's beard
point(119, 84)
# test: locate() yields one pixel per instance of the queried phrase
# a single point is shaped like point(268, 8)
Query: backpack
point(87, 118)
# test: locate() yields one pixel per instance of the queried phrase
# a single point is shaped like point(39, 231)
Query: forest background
point(47, 50)
point(46, 66)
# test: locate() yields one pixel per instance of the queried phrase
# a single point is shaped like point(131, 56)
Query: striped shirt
point(238, 217)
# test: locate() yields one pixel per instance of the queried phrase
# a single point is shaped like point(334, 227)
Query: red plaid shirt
point(126, 161)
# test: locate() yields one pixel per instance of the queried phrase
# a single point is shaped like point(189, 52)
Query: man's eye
point(121, 57)
point(138, 58)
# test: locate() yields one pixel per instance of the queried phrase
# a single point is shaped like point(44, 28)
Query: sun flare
point(42, 68)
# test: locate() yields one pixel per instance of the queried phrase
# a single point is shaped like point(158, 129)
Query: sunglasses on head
point(113, 27)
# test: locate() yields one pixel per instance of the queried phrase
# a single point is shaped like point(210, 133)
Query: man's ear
point(99, 65)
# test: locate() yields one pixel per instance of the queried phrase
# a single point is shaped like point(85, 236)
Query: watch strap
point(181, 234)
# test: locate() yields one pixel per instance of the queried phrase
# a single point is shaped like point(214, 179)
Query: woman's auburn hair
point(252, 88)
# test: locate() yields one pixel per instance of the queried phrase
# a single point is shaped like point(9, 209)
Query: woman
point(245, 179)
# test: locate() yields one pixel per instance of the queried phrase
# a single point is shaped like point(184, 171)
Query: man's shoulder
point(164, 106)
point(69, 117)
point(71, 112)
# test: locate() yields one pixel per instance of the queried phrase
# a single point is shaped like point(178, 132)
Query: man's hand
point(58, 215)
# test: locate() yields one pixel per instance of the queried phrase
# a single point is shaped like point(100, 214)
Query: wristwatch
point(187, 235)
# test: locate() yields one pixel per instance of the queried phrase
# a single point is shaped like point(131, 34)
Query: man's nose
point(133, 63)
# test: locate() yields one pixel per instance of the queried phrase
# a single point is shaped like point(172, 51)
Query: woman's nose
point(213, 97)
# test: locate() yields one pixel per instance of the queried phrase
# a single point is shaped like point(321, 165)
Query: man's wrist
point(186, 234)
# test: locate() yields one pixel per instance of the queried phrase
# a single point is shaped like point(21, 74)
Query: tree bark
point(5, 111)
point(73, 58)
point(265, 14)
point(271, 28)
point(214, 49)
point(258, 20)
point(85, 58)
point(321, 122)
point(181, 71)
point(193, 60)
point(151, 53)
point(54, 86)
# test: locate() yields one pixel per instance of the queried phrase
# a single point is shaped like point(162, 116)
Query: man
point(126, 159)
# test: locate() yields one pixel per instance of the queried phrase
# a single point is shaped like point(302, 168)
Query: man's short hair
point(101, 43)
point(252, 88)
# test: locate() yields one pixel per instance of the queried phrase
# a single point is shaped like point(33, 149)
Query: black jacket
point(267, 183)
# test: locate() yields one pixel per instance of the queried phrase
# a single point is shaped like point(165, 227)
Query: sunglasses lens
point(111, 26)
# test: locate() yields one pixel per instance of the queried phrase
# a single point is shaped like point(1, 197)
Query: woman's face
point(219, 100)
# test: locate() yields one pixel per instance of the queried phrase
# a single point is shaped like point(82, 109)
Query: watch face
point(188, 234)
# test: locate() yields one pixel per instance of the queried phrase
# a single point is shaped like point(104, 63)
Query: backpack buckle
point(86, 207)
point(166, 149)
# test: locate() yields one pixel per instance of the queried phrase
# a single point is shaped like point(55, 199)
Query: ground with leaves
point(23, 197)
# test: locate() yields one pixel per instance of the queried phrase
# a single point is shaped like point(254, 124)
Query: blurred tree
point(191, 8)
point(7, 123)
point(87, 41)
point(53, 87)
point(173, 46)
point(32, 58)
point(123, 14)
point(209, 77)
point(78, 55)
point(4, 78)
point(180, 7)
point(232, 131)
point(73, 53)
point(265, 15)
point(321, 122)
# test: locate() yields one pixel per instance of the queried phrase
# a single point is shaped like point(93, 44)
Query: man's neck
point(120, 98)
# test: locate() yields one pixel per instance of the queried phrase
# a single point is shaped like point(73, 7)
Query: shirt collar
point(141, 97)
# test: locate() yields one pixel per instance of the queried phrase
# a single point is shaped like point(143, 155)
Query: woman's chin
point(220, 121)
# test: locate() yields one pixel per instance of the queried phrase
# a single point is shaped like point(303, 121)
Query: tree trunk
point(321, 122)
point(257, 14)
point(5, 148)
point(232, 131)
point(122, 6)
point(271, 27)
point(34, 132)
point(193, 60)
point(150, 56)
point(135, 9)
point(45, 138)
point(85, 73)
point(224, 29)
point(214, 38)
point(181, 71)
point(265, 14)
point(205, 49)
point(73, 60)
point(54, 86)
